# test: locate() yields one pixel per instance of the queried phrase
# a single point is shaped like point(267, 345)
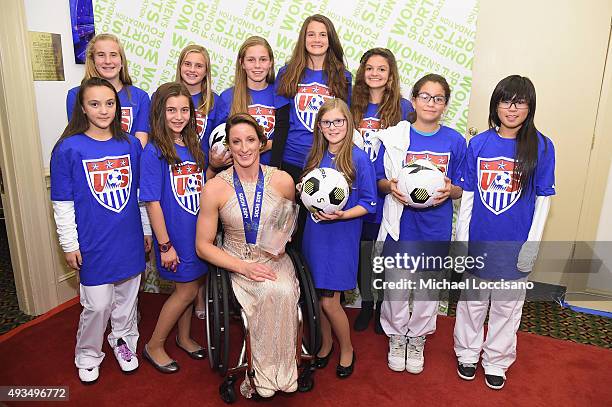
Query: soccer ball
point(315, 103)
point(324, 189)
point(419, 181)
point(262, 121)
point(193, 184)
point(502, 181)
point(114, 179)
point(217, 140)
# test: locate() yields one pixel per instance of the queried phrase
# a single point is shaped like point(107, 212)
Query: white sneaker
point(128, 361)
point(396, 359)
point(89, 376)
point(414, 354)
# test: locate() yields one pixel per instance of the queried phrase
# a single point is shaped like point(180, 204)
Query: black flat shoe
point(321, 362)
point(171, 367)
point(196, 354)
point(345, 371)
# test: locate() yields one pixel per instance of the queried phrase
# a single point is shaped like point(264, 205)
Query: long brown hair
point(207, 101)
point(79, 123)
point(389, 109)
point(242, 97)
point(333, 65)
point(344, 158)
point(160, 133)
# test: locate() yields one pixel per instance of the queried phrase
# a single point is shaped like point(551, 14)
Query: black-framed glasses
point(426, 97)
point(326, 124)
point(518, 104)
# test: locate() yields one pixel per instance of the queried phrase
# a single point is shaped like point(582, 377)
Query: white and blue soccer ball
point(114, 179)
point(419, 181)
point(262, 121)
point(324, 189)
point(502, 181)
point(315, 103)
point(193, 184)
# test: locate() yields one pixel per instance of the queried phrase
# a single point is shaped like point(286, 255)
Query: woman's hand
point(170, 259)
point(397, 194)
point(74, 259)
point(442, 193)
point(257, 272)
point(219, 158)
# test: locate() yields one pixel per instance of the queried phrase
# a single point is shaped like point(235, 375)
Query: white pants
point(395, 315)
point(499, 347)
point(117, 301)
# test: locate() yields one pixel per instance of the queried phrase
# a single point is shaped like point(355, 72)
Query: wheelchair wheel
point(224, 285)
point(227, 391)
point(212, 327)
point(308, 301)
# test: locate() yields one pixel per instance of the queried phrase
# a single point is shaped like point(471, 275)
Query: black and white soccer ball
point(419, 181)
point(217, 141)
point(324, 189)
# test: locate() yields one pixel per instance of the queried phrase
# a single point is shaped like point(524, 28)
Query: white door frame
point(30, 230)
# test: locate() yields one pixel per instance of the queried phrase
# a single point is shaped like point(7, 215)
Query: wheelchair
point(222, 307)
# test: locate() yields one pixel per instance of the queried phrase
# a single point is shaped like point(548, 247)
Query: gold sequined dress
point(270, 306)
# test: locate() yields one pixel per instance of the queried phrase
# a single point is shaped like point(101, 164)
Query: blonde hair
point(206, 102)
point(90, 65)
point(344, 157)
point(242, 98)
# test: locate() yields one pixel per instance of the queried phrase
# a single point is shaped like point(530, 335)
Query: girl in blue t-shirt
point(194, 71)
point(94, 183)
point(172, 177)
point(509, 179)
point(105, 58)
point(376, 104)
point(331, 241)
point(315, 72)
point(253, 90)
point(422, 232)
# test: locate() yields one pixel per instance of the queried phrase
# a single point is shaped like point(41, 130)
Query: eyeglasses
point(426, 97)
point(326, 124)
point(518, 104)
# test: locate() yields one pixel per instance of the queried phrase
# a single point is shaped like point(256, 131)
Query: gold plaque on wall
point(47, 61)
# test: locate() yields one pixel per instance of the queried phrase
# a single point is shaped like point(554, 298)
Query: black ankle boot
point(377, 326)
point(363, 319)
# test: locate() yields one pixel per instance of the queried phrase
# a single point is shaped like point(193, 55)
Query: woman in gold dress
point(265, 285)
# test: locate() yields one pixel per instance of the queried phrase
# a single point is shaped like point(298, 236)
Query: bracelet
point(164, 247)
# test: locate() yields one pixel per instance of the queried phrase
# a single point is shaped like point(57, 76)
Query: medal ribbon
point(251, 224)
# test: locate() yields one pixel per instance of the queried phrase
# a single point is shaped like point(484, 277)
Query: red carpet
point(548, 372)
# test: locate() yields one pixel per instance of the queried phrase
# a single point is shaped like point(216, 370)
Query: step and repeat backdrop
point(425, 35)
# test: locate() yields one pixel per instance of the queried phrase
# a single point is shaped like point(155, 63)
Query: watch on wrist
point(164, 247)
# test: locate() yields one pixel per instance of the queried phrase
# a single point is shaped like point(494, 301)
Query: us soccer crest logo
point(109, 181)
point(201, 122)
point(186, 185)
point(497, 185)
point(440, 160)
point(308, 100)
point(264, 115)
point(127, 118)
point(367, 128)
